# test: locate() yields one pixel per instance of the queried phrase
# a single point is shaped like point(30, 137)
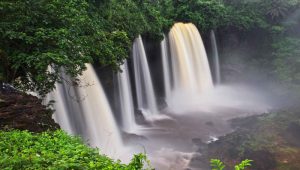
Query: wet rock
point(292, 134)
point(140, 119)
point(262, 160)
point(24, 112)
point(132, 138)
point(200, 162)
point(252, 140)
point(162, 103)
point(209, 123)
point(202, 146)
point(7, 88)
point(245, 122)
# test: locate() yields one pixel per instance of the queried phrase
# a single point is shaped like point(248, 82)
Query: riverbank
point(271, 140)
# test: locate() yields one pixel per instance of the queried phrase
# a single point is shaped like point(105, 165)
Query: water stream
point(83, 110)
point(166, 69)
point(146, 99)
point(215, 54)
point(196, 109)
point(125, 99)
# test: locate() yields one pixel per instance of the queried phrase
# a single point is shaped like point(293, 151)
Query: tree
point(287, 61)
point(35, 35)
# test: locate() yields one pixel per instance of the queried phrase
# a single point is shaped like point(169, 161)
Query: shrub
point(216, 164)
point(55, 150)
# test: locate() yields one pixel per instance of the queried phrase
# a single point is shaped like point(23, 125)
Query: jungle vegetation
point(38, 38)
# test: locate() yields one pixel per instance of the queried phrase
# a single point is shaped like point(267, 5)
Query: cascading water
point(125, 99)
point(84, 110)
point(60, 107)
point(215, 54)
point(191, 72)
point(166, 69)
point(144, 88)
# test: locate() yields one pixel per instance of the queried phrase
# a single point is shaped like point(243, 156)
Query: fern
point(216, 164)
point(243, 165)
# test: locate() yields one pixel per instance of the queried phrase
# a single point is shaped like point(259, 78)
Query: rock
point(24, 112)
point(209, 123)
point(140, 119)
point(132, 138)
point(262, 159)
point(292, 134)
point(202, 146)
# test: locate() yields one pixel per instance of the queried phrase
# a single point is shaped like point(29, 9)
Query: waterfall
point(191, 72)
point(60, 107)
point(215, 54)
point(144, 88)
point(125, 99)
point(59, 102)
point(166, 69)
point(83, 110)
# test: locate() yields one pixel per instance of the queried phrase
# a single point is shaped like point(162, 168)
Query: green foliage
point(122, 15)
point(152, 11)
point(277, 9)
point(287, 61)
point(133, 17)
point(261, 13)
point(69, 33)
point(216, 164)
point(212, 14)
point(243, 165)
point(272, 136)
point(55, 150)
point(56, 33)
point(278, 23)
point(205, 13)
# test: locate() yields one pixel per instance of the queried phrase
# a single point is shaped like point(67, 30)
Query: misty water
point(196, 110)
point(193, 111)
point(172, 143)
point(125, 99)
point(143, 81)
point(84, 107)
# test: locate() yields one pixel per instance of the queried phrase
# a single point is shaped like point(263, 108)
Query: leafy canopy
point(38, 38)
point(36, 35)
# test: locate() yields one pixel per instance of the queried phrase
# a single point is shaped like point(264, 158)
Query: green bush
point(55, 150)
point(287, 61)
point(216, 164)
